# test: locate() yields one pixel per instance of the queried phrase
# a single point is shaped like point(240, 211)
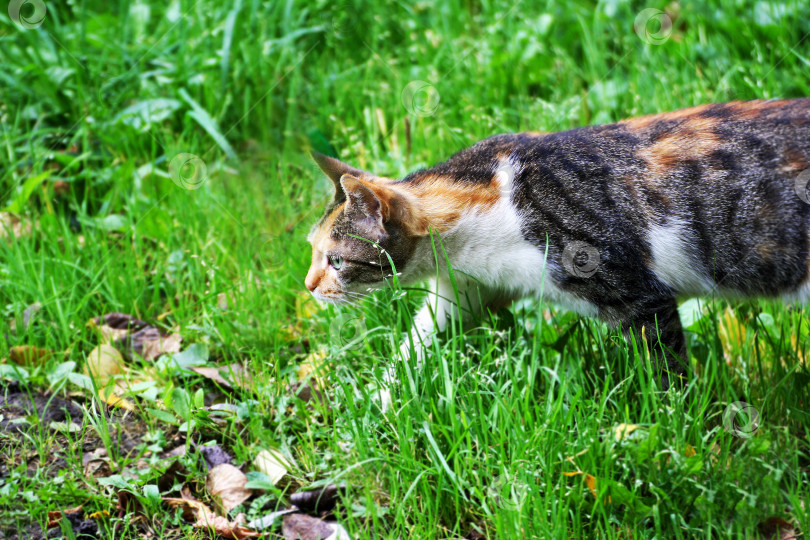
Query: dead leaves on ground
point(272, 464)
point(28, 355)
point(776, 528)
point(135, 336)
point(226, 484)
point(228, 376)
point(204, 518)
point(304, 527)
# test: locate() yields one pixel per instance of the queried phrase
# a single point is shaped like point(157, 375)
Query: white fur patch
point(489, 246)
point(673, 261)
point(800, 296)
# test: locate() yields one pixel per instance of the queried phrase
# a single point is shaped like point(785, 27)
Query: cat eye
point(336, 261)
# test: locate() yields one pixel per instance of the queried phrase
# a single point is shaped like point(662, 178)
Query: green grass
point(481, 438)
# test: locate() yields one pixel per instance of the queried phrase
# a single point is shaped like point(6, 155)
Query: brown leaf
point(103, 363)
point(171, 475)
point(776, 528)
point(110, 335)
point(235, 373)
point(96, 464)
point(186, 494)
point(149, 343)
point(55, 516)
point(135, 336)
point(28, 355)
point(304, 527)
point(317, 500)
point(273, 464)
point(127, 504)
point(207, 519)
point(227, 483)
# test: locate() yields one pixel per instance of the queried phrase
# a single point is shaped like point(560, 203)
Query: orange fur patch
point(642, 122)
point(694, 138)
point(739, 110)
point(443, 201)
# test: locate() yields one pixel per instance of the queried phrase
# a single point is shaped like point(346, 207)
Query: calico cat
point(616, 221)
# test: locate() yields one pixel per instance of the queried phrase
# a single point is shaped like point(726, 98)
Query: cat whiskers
point(357, 295)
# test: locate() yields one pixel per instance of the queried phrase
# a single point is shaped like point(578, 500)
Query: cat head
point(370, 223)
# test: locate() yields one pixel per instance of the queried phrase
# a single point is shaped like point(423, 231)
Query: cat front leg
point(442, 306)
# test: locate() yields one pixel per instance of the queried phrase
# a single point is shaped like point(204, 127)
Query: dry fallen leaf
point(103, 363)
point(134, 335)
point(149, 343)
point(227, 483)
point(119, 321)
point(304, 527)
point(776, 528)
point(28, 355)
point(207, 519)
point(96, 464)
point(236, 375)
point(317, 500)
point(273, 464)
point(110, 335)
point(55, 516)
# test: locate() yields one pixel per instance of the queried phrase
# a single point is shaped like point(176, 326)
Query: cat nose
point(311, 281)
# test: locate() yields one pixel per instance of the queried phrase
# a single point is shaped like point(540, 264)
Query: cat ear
point(334, 169)
point(363, 205)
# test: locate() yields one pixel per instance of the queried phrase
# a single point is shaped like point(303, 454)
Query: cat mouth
point(337, 300)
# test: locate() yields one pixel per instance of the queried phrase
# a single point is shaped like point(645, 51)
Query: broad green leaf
point(31, 183)
point(208, 124)
point(60, 372)
point(81, 380)
point(163, 416)
point(181, 403)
